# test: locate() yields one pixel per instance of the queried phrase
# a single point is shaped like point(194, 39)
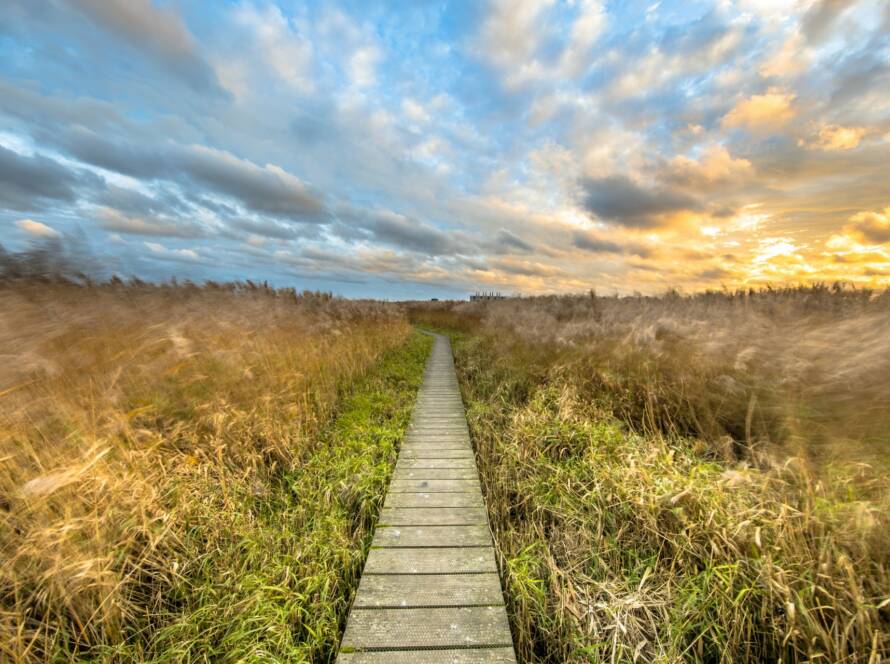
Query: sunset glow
point(432, 149)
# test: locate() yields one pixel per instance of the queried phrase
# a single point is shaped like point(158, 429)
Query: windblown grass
point(190, 473)
point(685, 478)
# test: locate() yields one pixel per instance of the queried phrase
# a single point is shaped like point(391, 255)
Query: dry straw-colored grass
point(137, 423)
point(698, 478)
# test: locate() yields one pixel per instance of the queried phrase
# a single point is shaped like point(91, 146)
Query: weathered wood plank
point(432, 536)
point(463, 656)
point(431, 561)
point(431, 500)
point(416, 590)
point(427, 628)
point(433, 453)
point(433, 486)
point(435, 474)
point(412, 464)
point(423, 516)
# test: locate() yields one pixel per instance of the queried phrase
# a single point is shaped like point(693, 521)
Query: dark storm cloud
point(32, 182)
point(620, 200)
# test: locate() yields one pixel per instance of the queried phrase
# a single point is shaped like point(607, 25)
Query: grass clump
point(190, 474)
point(634, 523)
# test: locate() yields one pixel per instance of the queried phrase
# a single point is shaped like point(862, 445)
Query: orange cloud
point(870, 227)
point(761, 112)
point(836, 137)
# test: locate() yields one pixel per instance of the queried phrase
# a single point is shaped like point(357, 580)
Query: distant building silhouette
point(487, 296)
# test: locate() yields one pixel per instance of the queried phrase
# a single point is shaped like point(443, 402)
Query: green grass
point(276, 584)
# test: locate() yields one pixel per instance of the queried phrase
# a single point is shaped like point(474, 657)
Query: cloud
point(506, 241)
point(716, 166)
point(275, 44)
point(363, 66)
point(836, 137)
point(165, 253)
point(509, 37)
point(532, 40)
point(620, 200)
point(593, 243)
point(870, 227)
point(114, 220)
point(33, 182)
point(766, 112)
point(819, 18)
point(401, 231)
point(157, 31)
point(267, 189)
point(265, 228)
point(37, 229)
point(526, 268)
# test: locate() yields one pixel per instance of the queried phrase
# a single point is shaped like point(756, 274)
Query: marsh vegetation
point(191, 473)
point(685, 478)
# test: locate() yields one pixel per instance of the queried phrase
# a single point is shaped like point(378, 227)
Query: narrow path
point(430, 591)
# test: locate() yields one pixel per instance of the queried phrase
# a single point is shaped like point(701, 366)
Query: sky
point(433, 149)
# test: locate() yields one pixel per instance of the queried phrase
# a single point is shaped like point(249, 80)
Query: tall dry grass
point(804, 368)
point(698, 478)
point(136, 424)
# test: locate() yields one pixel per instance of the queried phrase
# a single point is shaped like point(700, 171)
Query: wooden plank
point(416, 590)
point(403, 474)
point(412, 464)
point(436, 441)
point(462, 656)
point(430, 500)
point(433, 486)
point(424, 516)
point(431, 561)
point(433, 453)
point(432, 536)
point(383, 629)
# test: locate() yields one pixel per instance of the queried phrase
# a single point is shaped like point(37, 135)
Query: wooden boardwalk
point(430, 591)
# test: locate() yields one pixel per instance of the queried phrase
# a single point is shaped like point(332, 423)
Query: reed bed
point(685, 478)
point(179, 479)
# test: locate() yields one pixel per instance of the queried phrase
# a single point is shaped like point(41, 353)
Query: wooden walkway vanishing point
point(430, 591)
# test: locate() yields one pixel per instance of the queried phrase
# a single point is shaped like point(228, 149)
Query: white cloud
point(188, 255)
point(273, 40)
point(37, 229)
point(363, 66)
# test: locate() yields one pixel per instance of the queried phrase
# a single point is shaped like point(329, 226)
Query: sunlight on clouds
point(531, 145)
point(764, 112)
point(835, 137)
point(791, 59)
point(37, 228)
point(715, 165)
